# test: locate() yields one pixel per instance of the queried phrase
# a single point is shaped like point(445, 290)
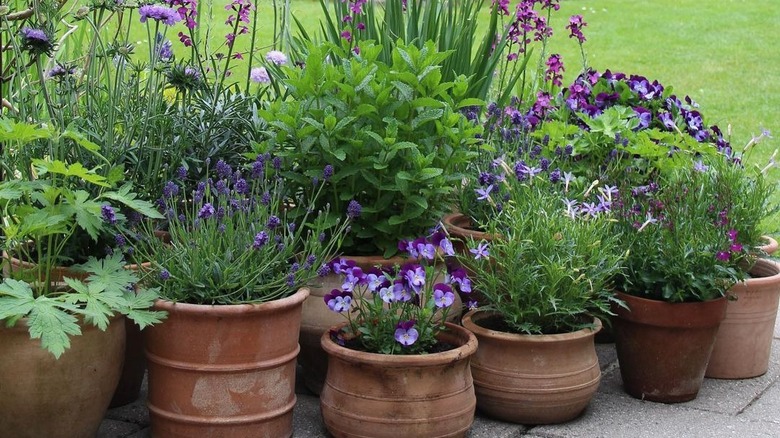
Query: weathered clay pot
point(744, 341)
point(771, 245)
point(461, 229)
point(224, 371)
point(533, 379)
point(378, 395)
point(317, 319)
point(58, 398)
point(663, 348)
point(134, 366)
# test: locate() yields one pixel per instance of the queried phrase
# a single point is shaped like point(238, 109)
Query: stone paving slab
point(766, 407)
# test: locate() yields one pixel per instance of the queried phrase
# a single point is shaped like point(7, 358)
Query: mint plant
point(391, 137)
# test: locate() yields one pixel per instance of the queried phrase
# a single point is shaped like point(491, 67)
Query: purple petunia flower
point(164, 14)
point(406, 334)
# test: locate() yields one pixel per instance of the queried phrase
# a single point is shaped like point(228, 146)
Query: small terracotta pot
point(317, 319)
point(392, 396)
point(58, 398)
point(459, 226)
point(744, 341)
point(663, 348)
point(224, 371)
point(533, 379)
point(771, 245)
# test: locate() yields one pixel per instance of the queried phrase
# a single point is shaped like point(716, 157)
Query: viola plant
point(397, 310)
point(683, 235)
point(231, 240)
point(550, 264)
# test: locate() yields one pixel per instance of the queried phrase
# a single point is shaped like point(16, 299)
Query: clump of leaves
point(107, 290)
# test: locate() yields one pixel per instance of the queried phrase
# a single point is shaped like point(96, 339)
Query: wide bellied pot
point(224, 370)
point(380, 395)
point(744, 341)
point(41, 396)
point(532, 379)
point(663, 348)
point(317, 319)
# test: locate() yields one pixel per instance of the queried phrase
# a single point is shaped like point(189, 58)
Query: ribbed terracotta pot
point(134, 366)
point(224, 371)
point(41, 396)
point(533, 379)
point(771, 245)
point(317, 319)
point(744, 341)
point(391, 396)
point(663, 348)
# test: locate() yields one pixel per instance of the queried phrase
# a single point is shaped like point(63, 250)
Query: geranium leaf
point(128, 198)
point(52, 324)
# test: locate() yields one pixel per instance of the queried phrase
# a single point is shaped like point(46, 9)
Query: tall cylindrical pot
point(663, 348)
point(532, 379)
point(391, 396)
point(317, 319)
point(744, 341)
point(224, 371)
point(41, 396)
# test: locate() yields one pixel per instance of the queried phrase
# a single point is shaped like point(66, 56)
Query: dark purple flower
point(241, 186)
point(108, 213)
point(164, 275)
point(555, 69)
point(723, 256)
point(170, 190)
point(644, 116)
point(338, 301)
point(323, 270)
point(576, 23)
point(120, 240)
point(35, 41)
point(273, 222)
point(261, 239)
point(327, 172)
point(460, 278)
point(223, 169)
point(206, 211)
point(354, 209)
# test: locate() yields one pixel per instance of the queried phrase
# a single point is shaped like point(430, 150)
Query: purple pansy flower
point(406, 334)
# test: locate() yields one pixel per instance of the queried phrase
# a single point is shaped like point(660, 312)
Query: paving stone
point(613, 415)
point(116, 429)
point(485, 427)
point(606, 354)
point(307, 421)
point(766, 407)
point(143, 433)
point(136, 412)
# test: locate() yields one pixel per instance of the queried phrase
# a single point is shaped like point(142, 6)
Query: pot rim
point(769, 267)
point(697, 314)
point(470, 324)
point(466, 349)
point(233, 309)
point(451, 224)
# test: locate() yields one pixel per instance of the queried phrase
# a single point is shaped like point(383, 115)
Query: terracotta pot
point(663, 348)
point(533, 379)
point(744, 341)
point(317, 319)
point(379, 395)
point(134, 367)
point(459, 227)
point(66, 397)
point(224, 371)
point(771, 245)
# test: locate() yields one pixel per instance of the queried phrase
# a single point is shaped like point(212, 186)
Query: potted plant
point(744, 341)
point(232, 279)
point(683, 256)
point(544, 279)
point(394, 368)
point(389, 139)
point(58, 383)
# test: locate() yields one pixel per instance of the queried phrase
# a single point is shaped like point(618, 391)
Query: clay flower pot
point(317, 319)
point(379, 395)
point(224, 371)
point(58, 398)
point(771, 245)
point(744, 341)
point(663, 348)
point(459, 226)
point(532, 379)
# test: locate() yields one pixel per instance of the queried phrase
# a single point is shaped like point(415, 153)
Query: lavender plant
point(397, 310)
point(550, 265)
point(232, 241)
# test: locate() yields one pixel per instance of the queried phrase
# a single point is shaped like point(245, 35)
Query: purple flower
point(323, 270)
point(120, 240)
point(426, 250)
point(376, 280)
point(732, 233)
point(260, 75)
point(414, 276)
point(164, 14)
point(276, 57)
point(736, 247)
point(460, 278)
point(108, 213)
point(446, 247)
point(273, 222)
point(387, 294)
point(723, 256)
point(164, 275)
point(60, 70)
point(354, 276)
point(261, 239)
point(576, 23)
point(554, 72)
point(327, 172)
point(206, 211)
point(481, 251)
point(406, 334)
point(442, 295)
point(241, 186)
point(400, 292)
point(170, 190)
point(338, 301)
point(181, 172)
point(472, 305)
point(483, 194)
point(35, 40)
point(353, 209)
